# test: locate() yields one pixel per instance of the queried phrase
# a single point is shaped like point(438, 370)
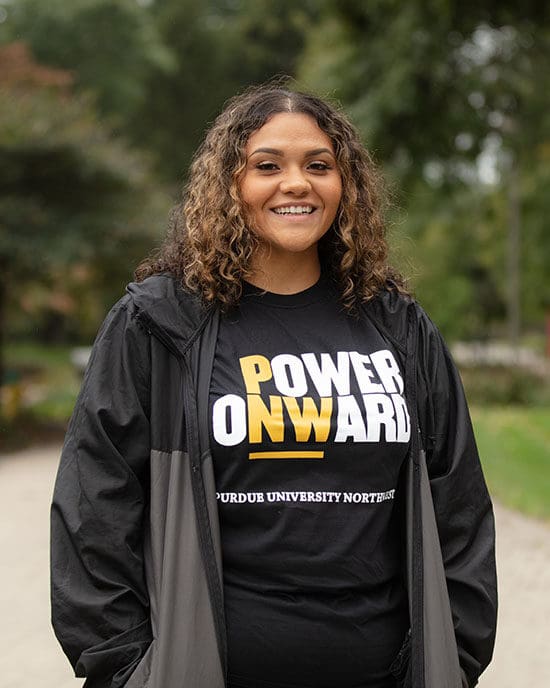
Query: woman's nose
point(295, 182)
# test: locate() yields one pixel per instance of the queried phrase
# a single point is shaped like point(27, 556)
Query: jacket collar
point(176, 317)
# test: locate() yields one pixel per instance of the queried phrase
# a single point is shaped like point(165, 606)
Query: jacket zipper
point(206, 544)
point(417, 602)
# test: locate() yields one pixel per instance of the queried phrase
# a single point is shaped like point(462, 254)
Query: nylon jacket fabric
point(137, 594)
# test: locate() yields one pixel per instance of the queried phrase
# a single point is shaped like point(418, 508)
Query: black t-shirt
point(309, 430)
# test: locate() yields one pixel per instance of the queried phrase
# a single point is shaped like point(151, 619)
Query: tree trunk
point(514, 257)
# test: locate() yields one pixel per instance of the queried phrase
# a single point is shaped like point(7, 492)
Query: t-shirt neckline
point(317, 292)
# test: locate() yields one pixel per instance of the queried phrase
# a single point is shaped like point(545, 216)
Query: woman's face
point(291, 186)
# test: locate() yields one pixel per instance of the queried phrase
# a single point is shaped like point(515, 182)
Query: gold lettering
point(260, 416)
point(255, 369)
point(309, 418)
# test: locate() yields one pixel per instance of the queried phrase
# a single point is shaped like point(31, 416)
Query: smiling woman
point(243, 500)
point(214, 241)
point(291, 189)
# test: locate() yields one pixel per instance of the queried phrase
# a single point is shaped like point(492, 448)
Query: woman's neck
point(289, 274)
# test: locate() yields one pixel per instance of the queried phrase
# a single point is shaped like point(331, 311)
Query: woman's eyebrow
point(307, 154)
point(271, 151)
point(318, 151)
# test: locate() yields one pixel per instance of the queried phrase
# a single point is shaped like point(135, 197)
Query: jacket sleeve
point(100, 608)
point(462, 504)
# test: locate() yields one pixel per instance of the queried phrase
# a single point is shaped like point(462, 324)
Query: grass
point(50, 382)
point(514, 445)
point(47, 384)
point(53, 362)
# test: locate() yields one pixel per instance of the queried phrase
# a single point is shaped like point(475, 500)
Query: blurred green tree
point(451, 98)
point(110, 46)
point(162, 70)
point(220, 47)
point(70, 191)
point(427, 80)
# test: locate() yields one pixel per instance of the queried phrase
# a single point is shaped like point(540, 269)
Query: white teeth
point(294, 210)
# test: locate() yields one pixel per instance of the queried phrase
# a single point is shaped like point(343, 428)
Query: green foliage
point(452, 98)
point(536, 236)
point(47, 386)
point(72, 194)
point(55, 156)
point(514, 448)
point(502, 385)
point(452, 272)
point(70, 190)
point(47, 381)
point(459, 249)
point(221, 47)
point(111, 45)
point(417, 77)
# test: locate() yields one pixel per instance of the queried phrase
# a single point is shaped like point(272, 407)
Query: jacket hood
point(167, 310)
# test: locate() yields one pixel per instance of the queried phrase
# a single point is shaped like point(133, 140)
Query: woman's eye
point(319, 166)
point(266, 166)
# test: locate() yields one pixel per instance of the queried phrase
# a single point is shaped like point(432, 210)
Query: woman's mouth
point(294, 210)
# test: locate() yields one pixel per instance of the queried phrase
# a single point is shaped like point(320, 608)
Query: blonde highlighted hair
point(209, 244)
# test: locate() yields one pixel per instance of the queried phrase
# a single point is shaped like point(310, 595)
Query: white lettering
point(289, 375)
point(388, 371)
point(380, 411)
point(229, 420)
point(350, 421)
point(327, 373)
point(363, 374)
point(402, 417)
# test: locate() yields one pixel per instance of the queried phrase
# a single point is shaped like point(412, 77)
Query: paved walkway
point(31, 658)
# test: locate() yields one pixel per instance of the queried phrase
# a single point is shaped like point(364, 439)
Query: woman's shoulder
point(396, 311)
point(162, 302)
point(158, 287)
point(164, 291)
point(390, 308)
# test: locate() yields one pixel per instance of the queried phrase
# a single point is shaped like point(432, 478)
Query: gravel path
point(31, 658)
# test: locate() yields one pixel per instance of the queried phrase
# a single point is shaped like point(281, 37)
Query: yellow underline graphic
point(287, 455)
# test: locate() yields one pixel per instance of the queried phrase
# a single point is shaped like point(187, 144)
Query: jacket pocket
point(400, 668)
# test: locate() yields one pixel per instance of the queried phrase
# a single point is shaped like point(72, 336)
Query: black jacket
point(137, 593)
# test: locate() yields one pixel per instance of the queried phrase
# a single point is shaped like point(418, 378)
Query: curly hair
point(209, 244)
